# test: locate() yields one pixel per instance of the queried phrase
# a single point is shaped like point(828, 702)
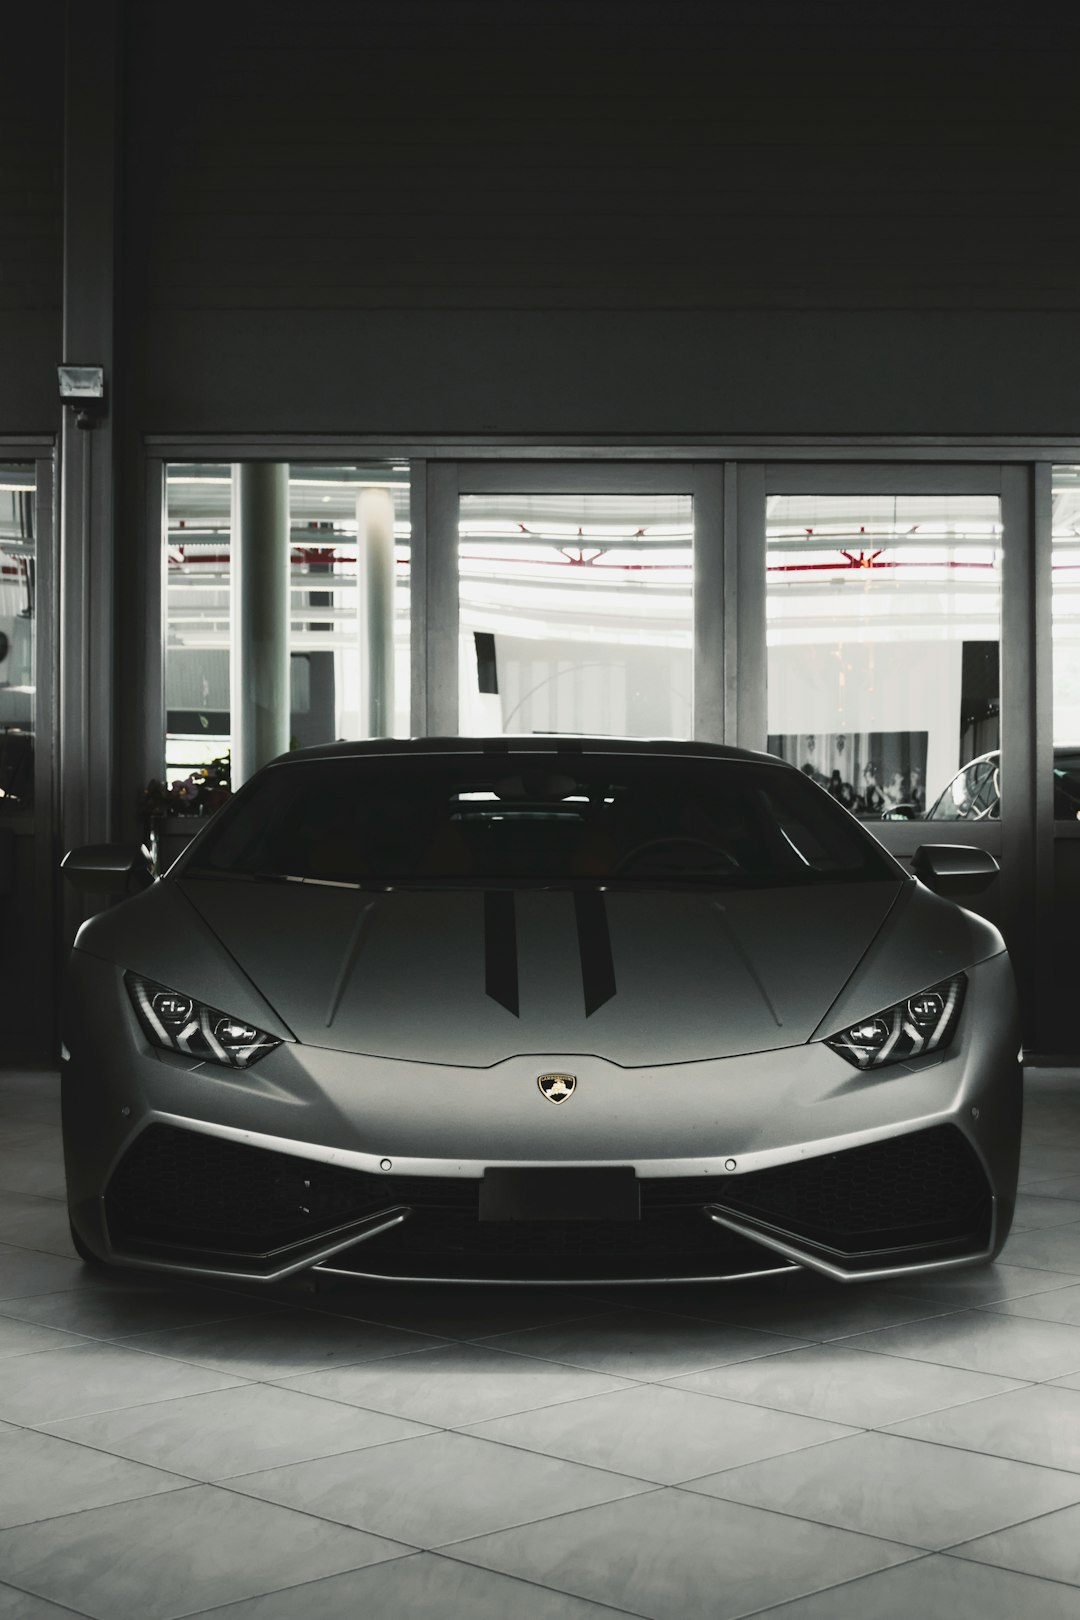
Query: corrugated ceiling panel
point(609, 154)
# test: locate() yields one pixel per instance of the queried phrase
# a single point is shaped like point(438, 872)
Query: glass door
point(883, 616)
point(27, 862)
point(899, 662)
point(575, 614)
point(578, 600)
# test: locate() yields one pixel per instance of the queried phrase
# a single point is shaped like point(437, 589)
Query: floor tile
point(642, 1344)
point(457, 1312)
point(1060, 1187)
point(24, 1107)
point(30, 1077)
point(31, 1222)
point(819, 1311)
point(276, 1344)
point(977, 1285)
point(934, 1587)
point(1058, 1305)
point(32, 1173)
point(25, 1606)
point(24, 1272)
point(18, 1338)
point(21, 1134)
point(1034, 1213)
point(1048, 1546)
point(660, 1434)
point(1007, 1346)
point(173, 1555)
point(842, 1385)
point(879, 1484)
point(1044, 1163)
point(234, 1431)
point(1039, 1423)
point(1056, 1249)
point(437, 1489)
point(421, 1587)
point(122, 1307)
point(92, 1377)
point(463, 1383)
point(1040, 1131)
point(42, 1477)
point(672, 1555)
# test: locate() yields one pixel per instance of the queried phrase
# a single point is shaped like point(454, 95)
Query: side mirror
point(109, 868)
point(901, 812)
point(954, 869)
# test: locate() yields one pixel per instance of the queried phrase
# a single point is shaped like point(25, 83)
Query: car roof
point(563, 746)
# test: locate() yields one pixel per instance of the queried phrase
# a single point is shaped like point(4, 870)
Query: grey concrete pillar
point(259, 640)
point(375, 582)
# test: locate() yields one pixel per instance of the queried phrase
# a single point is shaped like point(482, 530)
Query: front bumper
point(372, 1167)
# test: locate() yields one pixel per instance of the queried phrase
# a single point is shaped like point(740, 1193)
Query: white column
point(259, 640)
point(375, 610)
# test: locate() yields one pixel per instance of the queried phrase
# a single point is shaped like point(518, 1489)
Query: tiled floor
point(791, 1449)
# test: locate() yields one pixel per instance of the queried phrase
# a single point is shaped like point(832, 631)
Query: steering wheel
point(676, 838)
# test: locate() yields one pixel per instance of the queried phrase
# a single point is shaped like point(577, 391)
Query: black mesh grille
point(187, 1189)
point(182, 1187)
point(927, 1187)
point(672, 1243)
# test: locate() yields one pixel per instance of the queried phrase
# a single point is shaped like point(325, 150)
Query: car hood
point(471, 978)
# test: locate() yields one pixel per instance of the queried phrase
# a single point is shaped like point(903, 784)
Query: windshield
point(467, 819)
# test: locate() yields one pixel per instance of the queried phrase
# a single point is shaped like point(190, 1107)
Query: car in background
point(538, 1010)
point(974, 793)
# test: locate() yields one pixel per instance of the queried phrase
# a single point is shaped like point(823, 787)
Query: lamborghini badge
point(557, 1087)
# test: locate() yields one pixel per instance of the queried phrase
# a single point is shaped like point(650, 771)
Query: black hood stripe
point(500, 949)
point(594, 945)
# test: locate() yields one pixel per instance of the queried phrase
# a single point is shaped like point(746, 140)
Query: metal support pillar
point(259, 663)
point(86, 645)
point(375, 607)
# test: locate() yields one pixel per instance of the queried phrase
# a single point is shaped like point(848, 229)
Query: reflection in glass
point(1066, 622)
point(332, 606)
point(883, 617)
point(576, 615)
point(18, 605)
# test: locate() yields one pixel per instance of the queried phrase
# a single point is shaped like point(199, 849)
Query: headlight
point(177, 1023)
point(922, 1023)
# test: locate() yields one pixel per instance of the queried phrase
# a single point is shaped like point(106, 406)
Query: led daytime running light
point(177, 1023)
point(902, 1031)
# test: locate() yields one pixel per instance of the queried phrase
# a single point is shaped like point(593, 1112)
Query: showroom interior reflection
point(884, 628)
point(576, 615)
point(349, 585)
point(1066, 623)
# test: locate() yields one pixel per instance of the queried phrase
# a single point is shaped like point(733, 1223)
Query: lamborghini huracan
point(539, 1010)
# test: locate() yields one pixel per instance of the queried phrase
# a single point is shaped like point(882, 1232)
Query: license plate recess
point(607, 1194)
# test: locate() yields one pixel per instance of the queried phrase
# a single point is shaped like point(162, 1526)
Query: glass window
point(18, 613)
point(634, 820)
point(884, 617)
point(1066, 623)
point(576, 615)
point(973, 795)
point(333, 607)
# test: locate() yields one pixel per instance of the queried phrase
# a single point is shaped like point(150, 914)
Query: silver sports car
point(546, 1010)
